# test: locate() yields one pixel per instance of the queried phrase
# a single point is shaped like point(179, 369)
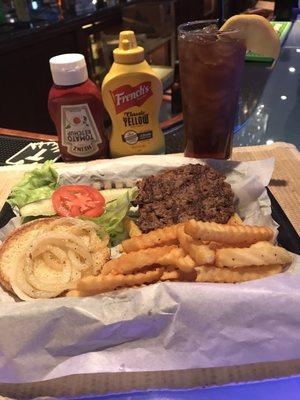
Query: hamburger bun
point(16, 249)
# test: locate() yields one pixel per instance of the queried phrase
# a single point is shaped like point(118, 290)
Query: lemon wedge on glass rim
point(257, 32)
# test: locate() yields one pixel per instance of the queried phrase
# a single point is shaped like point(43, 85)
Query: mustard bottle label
point(134, 109)
point(79, 131)
point(127, 96)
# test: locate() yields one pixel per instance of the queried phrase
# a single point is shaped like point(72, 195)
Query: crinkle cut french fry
point(131, 227)
point(260, 253)
point(216, 245)
point(99, 284)
point(199, 252)
point(160, 237)
point(178, 275)
point(178, 258)
point(226, 275)
point(170, 275)
point(235, 219)
point(74, 293)
point(136, 260)
point(228, 234)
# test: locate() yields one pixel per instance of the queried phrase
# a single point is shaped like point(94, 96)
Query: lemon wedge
point(259, 35)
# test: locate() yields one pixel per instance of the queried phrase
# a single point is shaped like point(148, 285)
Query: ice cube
point(213, 28)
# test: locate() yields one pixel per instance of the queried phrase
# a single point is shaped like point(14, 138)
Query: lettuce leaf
point(115, 212)
point(35, 185)
point(40, 183)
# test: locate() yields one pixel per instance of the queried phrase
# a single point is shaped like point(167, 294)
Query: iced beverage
point(211, 64)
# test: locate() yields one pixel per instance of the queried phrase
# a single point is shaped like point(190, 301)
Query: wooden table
point(285, 183)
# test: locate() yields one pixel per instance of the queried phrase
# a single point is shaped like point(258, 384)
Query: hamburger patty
point(177, 195)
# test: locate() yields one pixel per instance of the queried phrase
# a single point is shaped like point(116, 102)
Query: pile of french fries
point(190, 251)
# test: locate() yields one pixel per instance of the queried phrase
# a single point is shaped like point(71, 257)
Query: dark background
point(25, 47)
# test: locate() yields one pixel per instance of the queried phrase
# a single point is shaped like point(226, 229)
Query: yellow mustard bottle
point(132, 95)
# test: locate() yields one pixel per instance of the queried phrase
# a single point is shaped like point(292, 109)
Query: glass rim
point(183, 28)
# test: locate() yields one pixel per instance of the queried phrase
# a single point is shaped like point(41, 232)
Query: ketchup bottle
point(76, 108)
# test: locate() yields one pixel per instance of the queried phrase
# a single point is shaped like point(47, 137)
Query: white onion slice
point(51, 262)
point(57, 259)
point(20, 281)
point(46, 285)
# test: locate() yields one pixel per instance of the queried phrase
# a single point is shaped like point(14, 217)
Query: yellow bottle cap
point(128, 51)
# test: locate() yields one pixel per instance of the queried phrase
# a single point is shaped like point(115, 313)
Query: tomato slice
point(76, 200)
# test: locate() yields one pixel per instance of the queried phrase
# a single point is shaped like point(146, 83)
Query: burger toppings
point(76, 200)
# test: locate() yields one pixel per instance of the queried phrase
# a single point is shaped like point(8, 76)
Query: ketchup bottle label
point(79, 133)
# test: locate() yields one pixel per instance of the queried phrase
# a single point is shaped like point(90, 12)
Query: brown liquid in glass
point(210, 73)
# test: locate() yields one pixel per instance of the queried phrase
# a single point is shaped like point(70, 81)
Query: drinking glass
point(211, 64)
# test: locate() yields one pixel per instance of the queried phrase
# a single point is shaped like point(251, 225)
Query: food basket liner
point(161, 327)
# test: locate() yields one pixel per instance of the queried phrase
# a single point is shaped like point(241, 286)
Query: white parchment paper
point(165, 326)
